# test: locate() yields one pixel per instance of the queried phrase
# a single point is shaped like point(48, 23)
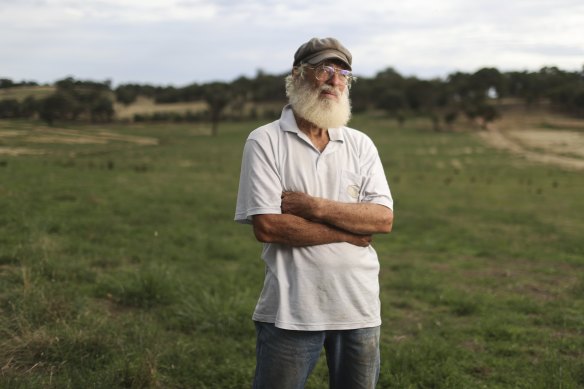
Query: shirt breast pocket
point(351, 187)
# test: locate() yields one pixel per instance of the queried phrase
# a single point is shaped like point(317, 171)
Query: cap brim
point(328, 54)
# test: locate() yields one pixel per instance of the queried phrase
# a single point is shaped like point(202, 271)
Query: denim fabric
point(285, 358)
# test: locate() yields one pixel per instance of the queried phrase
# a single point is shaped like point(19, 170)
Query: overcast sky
point(184, 41)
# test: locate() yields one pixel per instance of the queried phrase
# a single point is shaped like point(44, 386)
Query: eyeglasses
point(326, 72)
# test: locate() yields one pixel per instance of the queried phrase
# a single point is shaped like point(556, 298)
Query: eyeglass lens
point(325, 73)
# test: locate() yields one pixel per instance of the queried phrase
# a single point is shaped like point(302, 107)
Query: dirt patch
point(561, 147)
point(567, 143)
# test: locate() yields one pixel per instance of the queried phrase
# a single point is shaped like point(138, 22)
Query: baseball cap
point(317, 50)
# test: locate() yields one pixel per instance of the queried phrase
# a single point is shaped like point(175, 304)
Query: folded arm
point(358, 218)
point(293, 230)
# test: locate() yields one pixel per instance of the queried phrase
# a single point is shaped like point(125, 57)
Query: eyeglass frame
point(348, 77)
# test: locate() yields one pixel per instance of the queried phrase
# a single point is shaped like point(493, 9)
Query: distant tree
point(427, 98)
point(531, 87)
point(192, 92)
point(362, 94)
point(9, 109)
point(29, 107)
point(218, 96)
point(167, 95)
point(6, 83)
point(460, 85)
point(58, 106)
point(102, 110)
point(393, 101)
point(487, 113)
point(267, 87)
point(487, 82)
point(568, 98)
point(126, 94)
point(82, 99)
point(241, 91)
point(450, 117)
point(386, 91)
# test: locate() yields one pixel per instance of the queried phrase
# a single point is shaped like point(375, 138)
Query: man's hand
point(360, 240)
point(299, 204)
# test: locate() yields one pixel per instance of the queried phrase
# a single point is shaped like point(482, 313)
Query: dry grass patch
point(147, 106)
point(16, 151)
point(22, 92)
point(49, 135)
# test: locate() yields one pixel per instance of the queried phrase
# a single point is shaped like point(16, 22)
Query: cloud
point(181, 41)
point(58, 12)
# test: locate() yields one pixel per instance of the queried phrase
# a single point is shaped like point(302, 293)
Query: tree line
point(443, 100)
point(72, 100)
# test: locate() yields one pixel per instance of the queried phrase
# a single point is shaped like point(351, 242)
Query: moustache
point(329, 89)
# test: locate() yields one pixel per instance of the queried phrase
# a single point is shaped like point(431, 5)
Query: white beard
point(307, 103)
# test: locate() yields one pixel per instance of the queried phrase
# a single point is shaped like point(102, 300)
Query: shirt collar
point(288, 124)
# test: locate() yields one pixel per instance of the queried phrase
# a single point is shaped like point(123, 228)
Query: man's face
point(328, 73)
point(320, 95)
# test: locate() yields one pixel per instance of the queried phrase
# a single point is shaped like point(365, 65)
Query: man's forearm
point(359, 218)
point(293, 230)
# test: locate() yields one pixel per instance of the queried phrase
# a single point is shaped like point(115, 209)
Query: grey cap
point(317, 50)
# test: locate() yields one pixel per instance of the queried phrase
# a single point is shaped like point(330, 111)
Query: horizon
point(116, 84)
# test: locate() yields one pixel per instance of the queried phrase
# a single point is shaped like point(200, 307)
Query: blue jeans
point(285, 358)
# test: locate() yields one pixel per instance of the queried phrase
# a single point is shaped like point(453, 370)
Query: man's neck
point(309, 128)
point(318, 136)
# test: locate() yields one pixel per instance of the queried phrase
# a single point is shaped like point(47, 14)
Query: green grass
point(120, 265)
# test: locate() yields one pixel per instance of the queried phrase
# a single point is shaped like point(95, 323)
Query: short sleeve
point(260, 184)
point(375, 187)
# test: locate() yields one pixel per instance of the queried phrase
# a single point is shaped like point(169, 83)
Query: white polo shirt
point(325, 287)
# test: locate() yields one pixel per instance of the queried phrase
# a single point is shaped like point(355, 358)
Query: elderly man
point(315, 192)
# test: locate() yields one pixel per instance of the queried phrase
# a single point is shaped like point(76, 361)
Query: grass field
point(120, 265)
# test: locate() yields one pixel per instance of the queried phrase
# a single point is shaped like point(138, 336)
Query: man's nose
point(335, 80)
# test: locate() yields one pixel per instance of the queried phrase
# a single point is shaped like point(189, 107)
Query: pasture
point(121, 267)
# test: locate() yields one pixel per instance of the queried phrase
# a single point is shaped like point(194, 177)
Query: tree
point(6, 83)
point(389, 90)
point(488, 113)
point(29, 107)
point(363, 93)
point(394, 102)
point(267, 87)
point(102, 110)
point(487, 82)
point(217, 95)
point(427, 98)
point(9, 109)
point(126, 94)
point(92, 99)
point(58, 106)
